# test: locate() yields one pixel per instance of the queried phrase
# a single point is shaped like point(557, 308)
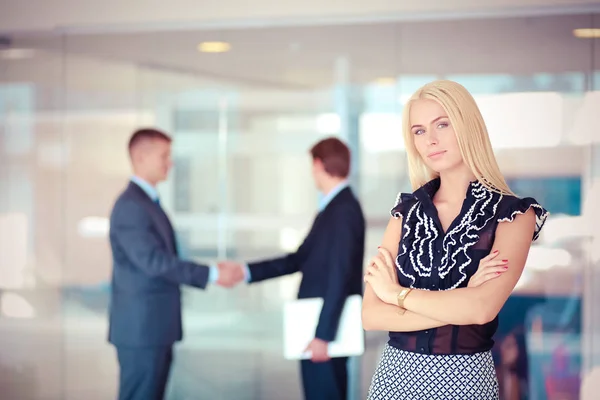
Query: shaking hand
point(231, 273)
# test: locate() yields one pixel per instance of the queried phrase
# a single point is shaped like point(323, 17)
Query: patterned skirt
point(403, 375)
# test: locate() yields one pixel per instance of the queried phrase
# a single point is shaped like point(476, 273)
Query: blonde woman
point(451, 255)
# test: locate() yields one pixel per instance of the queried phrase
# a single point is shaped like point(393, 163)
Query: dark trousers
point(325, 381)
point(144, 372)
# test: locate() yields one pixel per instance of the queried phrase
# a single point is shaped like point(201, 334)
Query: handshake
point(231, 273)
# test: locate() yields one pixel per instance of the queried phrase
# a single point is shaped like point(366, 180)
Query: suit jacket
point(330, 259)
point(145, 307)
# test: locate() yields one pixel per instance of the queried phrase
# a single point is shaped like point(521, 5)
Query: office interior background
point(244, 100)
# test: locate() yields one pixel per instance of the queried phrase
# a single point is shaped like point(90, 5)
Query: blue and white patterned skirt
point(403, 375)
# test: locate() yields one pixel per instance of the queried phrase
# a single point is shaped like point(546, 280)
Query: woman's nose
point(432, 139)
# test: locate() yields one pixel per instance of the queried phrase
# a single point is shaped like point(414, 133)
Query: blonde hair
point(471, 135)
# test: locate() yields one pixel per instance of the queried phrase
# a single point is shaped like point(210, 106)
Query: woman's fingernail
point(498, 273)
point(505, 261)
point(505, 266)
point(495, 251)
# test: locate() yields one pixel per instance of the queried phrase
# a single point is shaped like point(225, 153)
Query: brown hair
point(146, 134)
point(334, 155)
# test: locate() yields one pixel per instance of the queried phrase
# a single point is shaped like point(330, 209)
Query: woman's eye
point(442, 125)
point(419, 132)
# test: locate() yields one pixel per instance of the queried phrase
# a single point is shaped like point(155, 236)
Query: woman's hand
point(382, 276)
point(489, 268)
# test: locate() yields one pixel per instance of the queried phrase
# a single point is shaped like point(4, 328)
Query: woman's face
point(434, 136)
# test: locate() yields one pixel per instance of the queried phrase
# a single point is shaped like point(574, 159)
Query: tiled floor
point(227, 353)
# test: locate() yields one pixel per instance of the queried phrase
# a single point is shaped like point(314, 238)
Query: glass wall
point(243, 122)
point(33, 224)
point(591, 279)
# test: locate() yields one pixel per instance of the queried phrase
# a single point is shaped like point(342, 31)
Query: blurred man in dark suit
point(145, 307)
point(331, 262)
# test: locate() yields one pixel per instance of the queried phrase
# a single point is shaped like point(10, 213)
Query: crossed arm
point(380, 316)
point(463, 306)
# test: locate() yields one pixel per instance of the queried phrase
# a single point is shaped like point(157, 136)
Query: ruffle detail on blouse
point(521, 206)
point(403, 202)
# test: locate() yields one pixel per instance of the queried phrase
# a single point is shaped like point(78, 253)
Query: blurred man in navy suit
point(331, 262)
point(145, 307)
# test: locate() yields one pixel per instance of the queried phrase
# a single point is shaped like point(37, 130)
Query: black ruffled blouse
point(430, 259)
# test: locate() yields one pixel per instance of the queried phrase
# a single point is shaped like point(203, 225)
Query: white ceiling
point(305, 57)
point(135, 15)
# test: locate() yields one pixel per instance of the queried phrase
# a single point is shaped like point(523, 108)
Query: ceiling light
point(587, 33)
point(385, 81)
point(16, 54)
point(214, 47)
